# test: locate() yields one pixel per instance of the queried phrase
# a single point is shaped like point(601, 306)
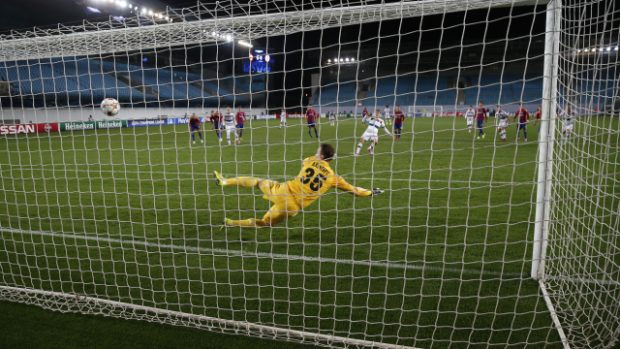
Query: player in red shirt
point(365, 113)
point(240, 118)
point(481, 116)
point(216, 120)
point(195, 126)
point(537, 115)
point(523, 117)
point(399, 118)
point(311, 119)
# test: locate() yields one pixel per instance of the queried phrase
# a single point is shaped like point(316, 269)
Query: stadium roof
point(26, 14)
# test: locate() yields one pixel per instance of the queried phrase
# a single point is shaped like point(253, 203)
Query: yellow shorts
point(283, 201)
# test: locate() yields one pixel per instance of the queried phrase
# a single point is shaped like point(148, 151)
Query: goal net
point(494, 231)
point(579, 266)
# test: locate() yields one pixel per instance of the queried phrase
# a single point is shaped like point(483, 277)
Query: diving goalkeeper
point(315, 179)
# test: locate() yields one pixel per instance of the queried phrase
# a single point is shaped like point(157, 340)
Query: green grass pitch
point(441, 259)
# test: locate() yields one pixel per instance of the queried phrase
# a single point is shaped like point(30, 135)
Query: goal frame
point(546, 137)
point(545, 157)
point(85, 40)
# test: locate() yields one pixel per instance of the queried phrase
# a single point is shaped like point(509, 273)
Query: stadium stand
point(427, 89)
point(88, 81)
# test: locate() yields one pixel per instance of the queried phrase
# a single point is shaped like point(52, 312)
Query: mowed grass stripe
point(220, 252)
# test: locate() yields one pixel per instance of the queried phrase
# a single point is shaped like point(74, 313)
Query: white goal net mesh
point(121, 215)
point(582, 265)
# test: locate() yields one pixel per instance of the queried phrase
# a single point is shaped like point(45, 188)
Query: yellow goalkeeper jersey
point(315, 179)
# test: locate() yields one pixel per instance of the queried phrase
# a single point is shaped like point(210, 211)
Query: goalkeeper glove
point(377, 191)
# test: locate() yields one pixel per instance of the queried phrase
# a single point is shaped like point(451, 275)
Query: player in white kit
point(332, 118)
point(229, 125)
point(283, 118)
point(568, 123)
point(469, 118)
point(502, 122)
point(387, 114)
point(372, 133)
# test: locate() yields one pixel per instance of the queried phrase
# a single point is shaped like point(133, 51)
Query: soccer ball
point(110, 106)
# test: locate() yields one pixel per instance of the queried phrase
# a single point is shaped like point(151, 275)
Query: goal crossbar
point(83, 43)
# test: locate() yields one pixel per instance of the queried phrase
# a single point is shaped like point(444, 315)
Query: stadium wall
point(49, 115)
point(46, 115)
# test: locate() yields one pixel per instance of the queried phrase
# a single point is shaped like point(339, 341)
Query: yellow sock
point(248, 182)
point(250, 222)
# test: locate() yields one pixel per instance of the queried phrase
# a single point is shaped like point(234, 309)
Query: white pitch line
point(241, 253)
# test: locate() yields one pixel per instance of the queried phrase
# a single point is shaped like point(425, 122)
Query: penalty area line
point(221, 252)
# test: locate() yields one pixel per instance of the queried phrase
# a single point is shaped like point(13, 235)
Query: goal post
point(545, 157)
point(491, 231)
point(547, 135)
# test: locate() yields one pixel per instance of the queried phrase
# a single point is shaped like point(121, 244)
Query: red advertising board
point(48, 127)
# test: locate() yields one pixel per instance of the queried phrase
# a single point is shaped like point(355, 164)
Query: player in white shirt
point(470, 114)
point(387, 114)
point(372, 133)
point(502, 122)
point(229, 125)
point(332, 118)
point(282, 118)
point(568, 123)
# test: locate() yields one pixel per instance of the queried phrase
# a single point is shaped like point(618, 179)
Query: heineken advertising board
point(111, 124)
point(77, 126)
